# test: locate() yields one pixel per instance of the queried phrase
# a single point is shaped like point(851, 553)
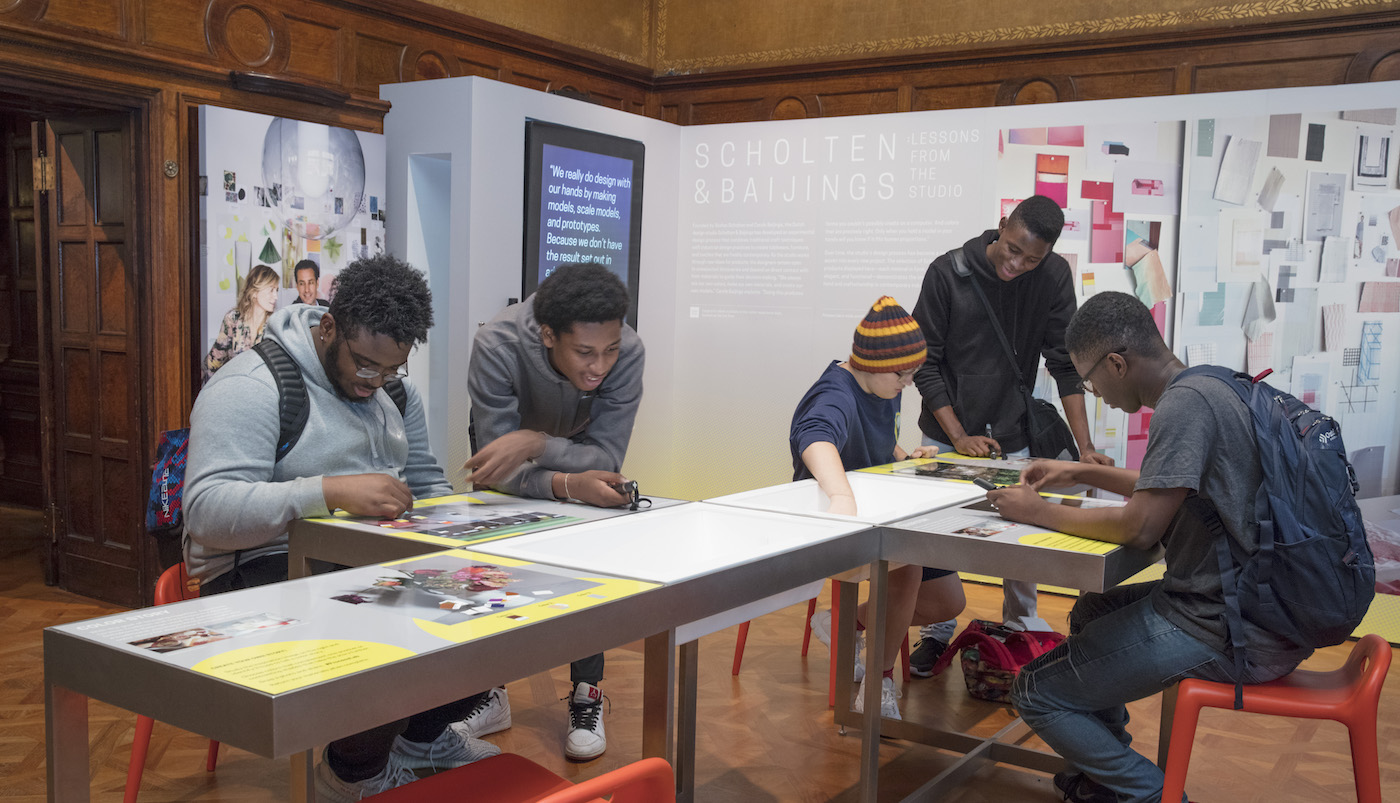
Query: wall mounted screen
point(583, 203)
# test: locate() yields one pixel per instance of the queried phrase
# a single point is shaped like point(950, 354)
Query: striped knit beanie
point(887, 340)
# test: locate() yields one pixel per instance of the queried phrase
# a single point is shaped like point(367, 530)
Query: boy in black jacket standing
point(971, 401)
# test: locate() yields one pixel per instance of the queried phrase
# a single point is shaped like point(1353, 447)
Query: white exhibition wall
point(764, 244)
point(456, 153)
point(319, 198)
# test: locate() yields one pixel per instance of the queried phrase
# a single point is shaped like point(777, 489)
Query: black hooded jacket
point(966, 366)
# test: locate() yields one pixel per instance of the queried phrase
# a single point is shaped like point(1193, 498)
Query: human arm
point(824, 461)
point(597, 488)
point(1052, 474)
point(928, 450)
point(1079, 425)
point(422, 471)
point(934, 315)
point(963, 443)
point(1140, 523)
point(232, 499)
point(222, 348)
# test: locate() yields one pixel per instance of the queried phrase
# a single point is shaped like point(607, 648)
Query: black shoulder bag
point(1047, 434)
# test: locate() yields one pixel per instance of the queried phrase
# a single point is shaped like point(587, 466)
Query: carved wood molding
point(28, 10)
point(245, 33)
point(1036, 89)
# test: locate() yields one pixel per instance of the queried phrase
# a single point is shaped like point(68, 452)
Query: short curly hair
point(1040, 216)
point(1109, 321)
point(583, 293)
point(385, 296)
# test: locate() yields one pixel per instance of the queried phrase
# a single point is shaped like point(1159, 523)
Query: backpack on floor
point(1313, 576)
point(165, 517)
point(993, 654)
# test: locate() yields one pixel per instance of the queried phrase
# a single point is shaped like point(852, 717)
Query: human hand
point(976, 446)
point(1016, 503)
point(500, 458)
point(1049, 474)
point(924, 451)
point(377, 495)
point(597, 488)
point(1095, 457)
point(842, 505)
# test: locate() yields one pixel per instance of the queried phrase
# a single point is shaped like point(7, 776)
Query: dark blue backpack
point(1313, 576)
point(165, 504)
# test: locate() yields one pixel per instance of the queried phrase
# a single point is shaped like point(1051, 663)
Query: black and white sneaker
point(585, 740)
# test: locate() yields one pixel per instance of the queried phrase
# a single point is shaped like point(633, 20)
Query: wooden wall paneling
point(105, 17)
point(1126, 84)
point(377, 61)
point(478, 64)
point(316, 50)
point(1271, 73)
point(932, 97)
point(870, 101)
point(175, 26)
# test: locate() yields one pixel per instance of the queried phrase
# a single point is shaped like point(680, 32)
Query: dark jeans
point(587, 670)
point(362, 755)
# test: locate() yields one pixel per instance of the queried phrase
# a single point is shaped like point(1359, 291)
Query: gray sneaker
point(491, 714)
point(331, 789)
point(925, 655)
point(448, 751)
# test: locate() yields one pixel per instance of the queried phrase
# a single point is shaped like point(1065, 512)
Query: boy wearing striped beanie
point(849, 420)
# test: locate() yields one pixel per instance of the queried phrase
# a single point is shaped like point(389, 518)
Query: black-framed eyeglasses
point(363, 371)
point(1086, 383)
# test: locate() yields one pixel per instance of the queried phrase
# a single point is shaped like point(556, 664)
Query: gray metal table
point(296, 721)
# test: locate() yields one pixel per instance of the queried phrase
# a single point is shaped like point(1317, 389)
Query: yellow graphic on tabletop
point(607, 590)
point(890, 468)
point(1069, 543)
point(280, 667)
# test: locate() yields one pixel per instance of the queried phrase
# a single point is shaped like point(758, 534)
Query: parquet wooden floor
point(766, 735)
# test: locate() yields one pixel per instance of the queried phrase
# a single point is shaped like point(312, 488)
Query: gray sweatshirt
point(514, 387)
point(238, 498)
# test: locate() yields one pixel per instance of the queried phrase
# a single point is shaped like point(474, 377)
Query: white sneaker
point(331, 789)
point(491, 714)
point(448, 751)
point(585, 740)
point(889, 699)
point(821, 628)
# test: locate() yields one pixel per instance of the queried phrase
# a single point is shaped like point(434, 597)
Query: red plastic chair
point(509, 778)
point(1348, 695)
point(173, 585)
point(743, 639)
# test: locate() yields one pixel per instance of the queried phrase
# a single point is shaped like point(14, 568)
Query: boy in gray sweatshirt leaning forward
point(356, 453)
point(555, 382)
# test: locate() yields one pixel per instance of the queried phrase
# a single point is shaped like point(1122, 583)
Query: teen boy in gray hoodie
point(555, 382)
point(356, 453)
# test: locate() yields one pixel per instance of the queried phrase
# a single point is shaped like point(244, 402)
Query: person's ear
point(327, 328)
point(547, 336)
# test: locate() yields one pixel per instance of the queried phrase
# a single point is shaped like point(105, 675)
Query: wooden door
point(20, 461)
point(91, 357)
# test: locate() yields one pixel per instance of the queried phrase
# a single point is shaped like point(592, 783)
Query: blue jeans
point(1119, 650)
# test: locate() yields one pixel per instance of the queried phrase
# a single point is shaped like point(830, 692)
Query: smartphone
point(986, 485)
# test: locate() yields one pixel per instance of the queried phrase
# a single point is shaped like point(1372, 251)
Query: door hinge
point(43, 173)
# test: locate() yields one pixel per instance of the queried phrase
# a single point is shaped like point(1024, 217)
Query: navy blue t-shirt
point(862, 426)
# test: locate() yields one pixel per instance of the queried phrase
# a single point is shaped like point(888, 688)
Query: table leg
point(686, 722)
point(66, 721)
point(297, 564)
point(658, 695)
point(874, 674)
point(303, 777)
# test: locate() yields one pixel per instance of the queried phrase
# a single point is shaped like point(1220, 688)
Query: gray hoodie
point(237, 498)
point(514, 387)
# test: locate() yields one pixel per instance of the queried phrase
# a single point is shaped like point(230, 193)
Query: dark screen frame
point(539, 133)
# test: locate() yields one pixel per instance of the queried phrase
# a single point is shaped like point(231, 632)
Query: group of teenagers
point(555, 383)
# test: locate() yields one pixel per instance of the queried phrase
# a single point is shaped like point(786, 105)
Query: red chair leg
point(739, 646)
point(213, 756)
point(904, 656)
point(140, 743)
point(1365, 761)
point(1188, 710)
point(807, 625)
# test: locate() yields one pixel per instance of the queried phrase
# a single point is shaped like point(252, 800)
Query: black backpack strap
point(398, 393)
point(1229, 588)
point(292, 405)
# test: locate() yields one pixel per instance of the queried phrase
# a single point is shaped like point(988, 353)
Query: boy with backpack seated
point(1196, 495)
